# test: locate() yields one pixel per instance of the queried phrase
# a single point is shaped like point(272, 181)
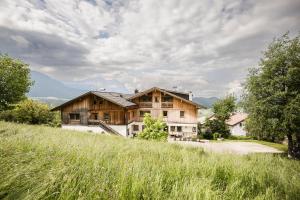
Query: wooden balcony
point(167, 104)
point(145, 104)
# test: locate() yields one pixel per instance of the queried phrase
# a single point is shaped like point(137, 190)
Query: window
point(167, 98)
point(135, 127)
point(181, 114)
point(166, 129)
point(241, 124)
point(194, 129)
point(106, 116)
point(179, 128)
point(95, 102)
point(143, 112)
point(133, 114)
point(94, 116)
point(156, 100)
point(143, 127)
point(146, 98)
point(173, 128)
point(74, 116)
point(165, 113)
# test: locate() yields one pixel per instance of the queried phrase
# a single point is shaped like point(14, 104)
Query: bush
point(217, 126)
point(235, 137)
point(31, 112)
point(154, 129)
point(216, 136)
point(207, 135)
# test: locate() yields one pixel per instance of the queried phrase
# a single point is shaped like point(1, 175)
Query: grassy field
point(39, 162)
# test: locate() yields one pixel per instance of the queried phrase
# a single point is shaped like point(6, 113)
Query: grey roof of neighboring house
point(115, 97)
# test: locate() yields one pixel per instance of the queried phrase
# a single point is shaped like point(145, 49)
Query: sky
point(203, 46)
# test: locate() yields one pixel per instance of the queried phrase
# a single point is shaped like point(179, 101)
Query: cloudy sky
point(201, 45)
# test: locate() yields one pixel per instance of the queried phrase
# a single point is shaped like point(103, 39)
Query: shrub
point(154, 129)
point(216, 136)
point(217, 126)
point(235, 137)
point(31, 112)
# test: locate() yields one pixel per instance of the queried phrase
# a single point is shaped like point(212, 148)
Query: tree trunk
point(290, 146)
point(297, 147)
point(294, 146)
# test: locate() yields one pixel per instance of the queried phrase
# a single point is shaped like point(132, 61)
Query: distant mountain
point(47, 88)
point(207, 102)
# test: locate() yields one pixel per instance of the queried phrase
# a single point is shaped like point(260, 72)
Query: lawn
point(39, 162)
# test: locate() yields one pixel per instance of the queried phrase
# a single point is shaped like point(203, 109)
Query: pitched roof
point(236, 118)
point(113, 97)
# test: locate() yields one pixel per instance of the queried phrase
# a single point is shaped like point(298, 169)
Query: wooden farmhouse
point(123, 114)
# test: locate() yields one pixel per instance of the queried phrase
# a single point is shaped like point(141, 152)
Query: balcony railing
point(145, 104)
point(167, 104)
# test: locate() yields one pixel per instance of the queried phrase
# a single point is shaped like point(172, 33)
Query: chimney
point(190, 96)
point(136, 91)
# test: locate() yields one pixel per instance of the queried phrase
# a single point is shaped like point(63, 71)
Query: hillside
point(39, 162)
point(45, 87)
point(205, 101)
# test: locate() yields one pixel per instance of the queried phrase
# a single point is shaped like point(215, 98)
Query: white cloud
point(204, 46)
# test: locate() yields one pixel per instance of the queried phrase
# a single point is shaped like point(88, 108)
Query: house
point(236, 124)
point(123, 114)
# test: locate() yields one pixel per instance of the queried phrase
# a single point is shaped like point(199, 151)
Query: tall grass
point(39, 162)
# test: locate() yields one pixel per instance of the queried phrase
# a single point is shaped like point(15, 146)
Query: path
point(231, 147)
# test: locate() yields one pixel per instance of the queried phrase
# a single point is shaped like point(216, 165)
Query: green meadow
point(39, 162)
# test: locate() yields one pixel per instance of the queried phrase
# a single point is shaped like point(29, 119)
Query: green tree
point(222, 110)
point(154, 129)
point(272, 94)
point(216, 126)
point(224, 107)
point(14, 81)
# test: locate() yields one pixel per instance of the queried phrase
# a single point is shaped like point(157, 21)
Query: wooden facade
point(91, 109)
point(169, 110)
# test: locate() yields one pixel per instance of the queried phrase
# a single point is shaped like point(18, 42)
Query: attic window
point(167, 98)
point(145, 98)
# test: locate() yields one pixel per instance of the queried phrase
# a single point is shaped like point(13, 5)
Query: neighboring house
point(123, 114)
point(236, 124)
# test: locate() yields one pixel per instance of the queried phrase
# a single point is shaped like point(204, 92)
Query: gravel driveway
point(231, 147)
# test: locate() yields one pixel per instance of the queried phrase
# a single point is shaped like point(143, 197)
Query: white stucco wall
point(185, 127)
point(120, 128)
point(238, 130)
point(94, 129)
